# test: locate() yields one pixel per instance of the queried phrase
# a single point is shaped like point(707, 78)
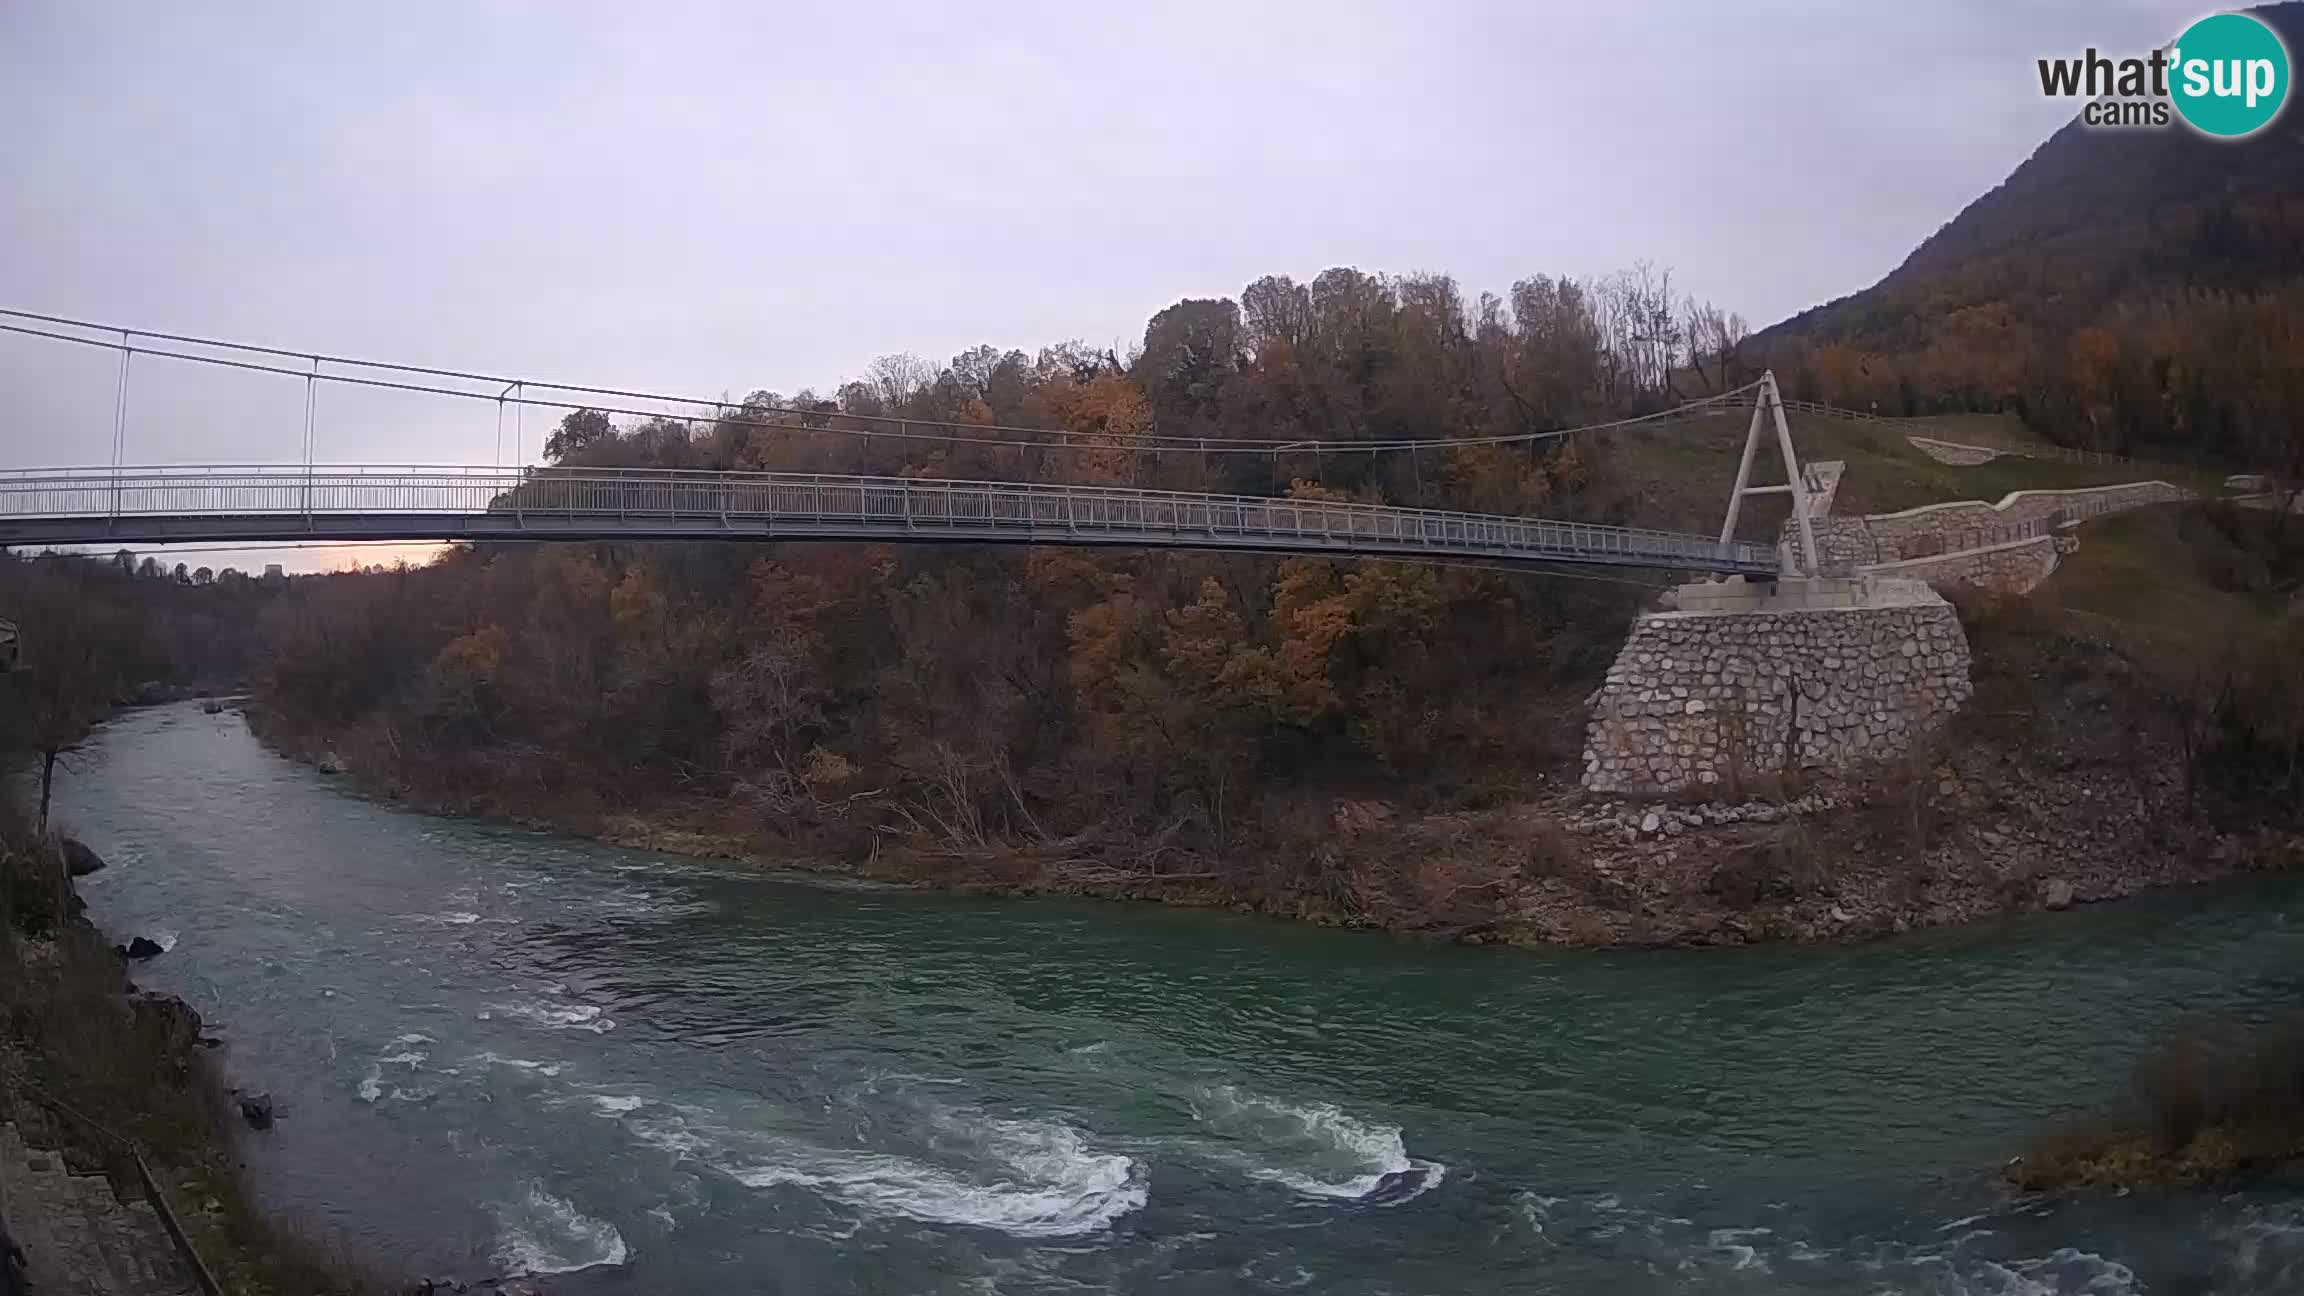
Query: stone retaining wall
point(1701, 699)
point(1934, 529)
point(1842, 540)
point(1937, 528)
point(2012, 568)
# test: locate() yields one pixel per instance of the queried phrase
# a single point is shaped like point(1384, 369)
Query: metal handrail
point(2066, 516)
point(201, 1275)
point(287, 500)
point(512, 477)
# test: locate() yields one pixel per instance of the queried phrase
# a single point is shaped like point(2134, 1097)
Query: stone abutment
point(1738, 683)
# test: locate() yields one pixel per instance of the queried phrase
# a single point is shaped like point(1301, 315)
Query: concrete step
point(79, 1238)
point(25, 1219)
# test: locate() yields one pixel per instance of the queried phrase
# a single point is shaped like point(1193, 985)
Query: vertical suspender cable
point(120, 422)
point(311, 389)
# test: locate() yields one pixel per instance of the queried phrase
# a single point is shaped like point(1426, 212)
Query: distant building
point(273, 575)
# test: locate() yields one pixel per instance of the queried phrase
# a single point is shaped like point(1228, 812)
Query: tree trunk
point(47, 782)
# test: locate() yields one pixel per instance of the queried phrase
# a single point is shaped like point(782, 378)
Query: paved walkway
point(78, 1238)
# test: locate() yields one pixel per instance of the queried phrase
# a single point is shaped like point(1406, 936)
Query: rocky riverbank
point(92, 1065)
point(2210, 1106)
point(2060, 786)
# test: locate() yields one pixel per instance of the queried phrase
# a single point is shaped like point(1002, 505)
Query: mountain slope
point(2136, 290)
point(2094, 217)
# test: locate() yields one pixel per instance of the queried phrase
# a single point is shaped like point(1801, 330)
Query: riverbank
point(88, 1059)
point(2212, 1106)
point(661, 1074)
point(2067, 781)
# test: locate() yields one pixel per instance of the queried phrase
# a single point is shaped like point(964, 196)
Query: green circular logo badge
point(2228, 75)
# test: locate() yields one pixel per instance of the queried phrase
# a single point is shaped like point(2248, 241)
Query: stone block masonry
point(1933, 529)
point(2016, 567)
point(1942, 528)
point(1702, 699)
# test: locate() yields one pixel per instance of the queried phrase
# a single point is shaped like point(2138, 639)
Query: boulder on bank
point(79, 861)
point(143, 947)
point(331, 763)
point(2056, 894)
point(174, 1022)
point(256, 1109)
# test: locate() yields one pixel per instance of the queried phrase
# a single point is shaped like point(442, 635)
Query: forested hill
point(2112, 274)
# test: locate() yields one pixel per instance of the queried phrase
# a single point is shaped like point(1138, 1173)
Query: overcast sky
point(717, 198)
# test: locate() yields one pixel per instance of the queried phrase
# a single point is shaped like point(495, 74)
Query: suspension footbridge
point(122, 503)
point(175, 505)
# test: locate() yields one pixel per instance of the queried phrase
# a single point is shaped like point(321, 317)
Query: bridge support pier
point(1736, 684)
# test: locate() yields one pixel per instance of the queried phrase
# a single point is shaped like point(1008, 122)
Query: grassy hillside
point(1683, 470)
point(2168, 583)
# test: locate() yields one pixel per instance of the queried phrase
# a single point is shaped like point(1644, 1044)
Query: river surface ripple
point(499, 1048)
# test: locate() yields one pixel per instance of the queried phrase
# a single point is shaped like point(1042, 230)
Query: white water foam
point(640, 903)
point(1033, 1178)
point(617, 1104)
point(2066, 1272)
point(1735, 1245)
point(373, 1089)
point(372, 1086)
point(2268, 1248)
point(520, 1064)
point(1317, 1149)
point(1739, 1256)
point(585, 1017)
point(1708, 1258)
point(544, 1234)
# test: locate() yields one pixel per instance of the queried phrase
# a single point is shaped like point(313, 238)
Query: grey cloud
point(717, 198)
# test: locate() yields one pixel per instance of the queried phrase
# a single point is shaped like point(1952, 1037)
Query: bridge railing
point(762, 501)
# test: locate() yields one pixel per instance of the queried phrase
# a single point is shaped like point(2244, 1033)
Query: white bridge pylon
point(1769, 403)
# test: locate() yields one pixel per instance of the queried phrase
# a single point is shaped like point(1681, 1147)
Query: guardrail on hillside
point(145, 1179)
point(1922, 426)
point(1964, 538)
point(2063, 454)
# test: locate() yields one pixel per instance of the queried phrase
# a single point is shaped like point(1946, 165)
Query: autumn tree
point(1277, 310)
point(72, 660)
point(579, 430)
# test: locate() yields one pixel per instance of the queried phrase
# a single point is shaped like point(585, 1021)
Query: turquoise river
point(496, 1049)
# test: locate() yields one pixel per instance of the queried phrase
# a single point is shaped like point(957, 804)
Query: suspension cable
point(778, 416)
